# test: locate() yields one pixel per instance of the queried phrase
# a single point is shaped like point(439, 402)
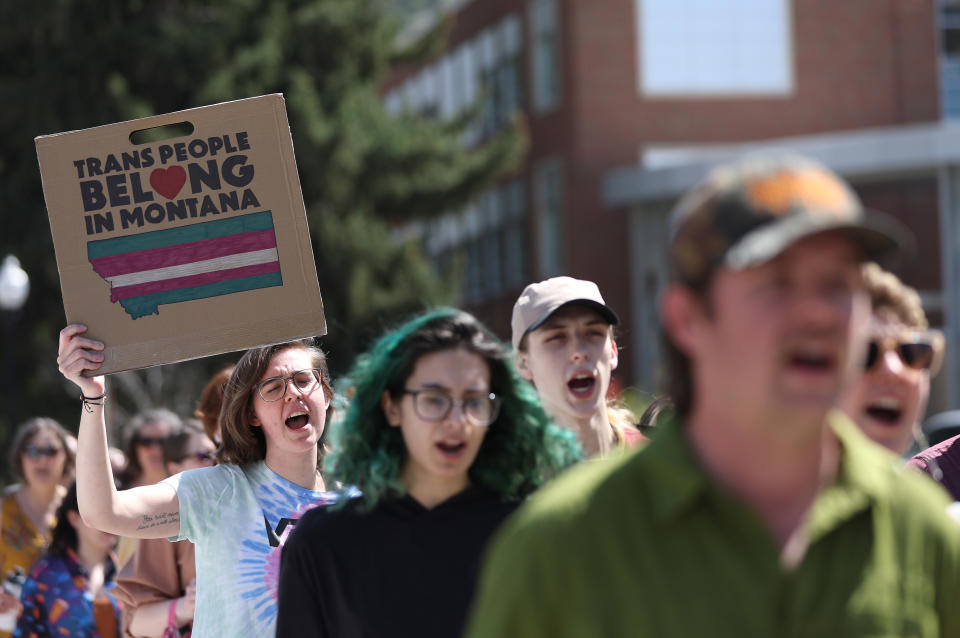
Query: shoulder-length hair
point(521, 450)
point(245, 443)
point(176, 445)
point(133, 471)
point(25, 432)
point(64, 535)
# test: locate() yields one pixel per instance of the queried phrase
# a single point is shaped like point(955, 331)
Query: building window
point(393, 102)
point(488, 67)
point(548, 187)
point(514, 235)
point(498, 54)
point(448, 105)
point(697, 47)
point(950, 57)
point(545, 55)
point(487, 239)
point(508, 68)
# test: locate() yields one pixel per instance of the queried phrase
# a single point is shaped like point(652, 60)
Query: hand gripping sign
point(185, 247)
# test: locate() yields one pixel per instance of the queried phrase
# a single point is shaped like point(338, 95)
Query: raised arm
point(152, 511)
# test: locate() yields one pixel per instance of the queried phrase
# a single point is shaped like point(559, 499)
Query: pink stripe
point(123, 292)
point(179, 254)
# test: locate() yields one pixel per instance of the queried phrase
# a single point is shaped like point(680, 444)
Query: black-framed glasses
point(36, 451)
point(918, 350)
point(435, 405)
point(274, 388)
point(150, 441)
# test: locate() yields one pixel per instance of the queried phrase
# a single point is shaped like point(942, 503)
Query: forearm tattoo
point(158, 520)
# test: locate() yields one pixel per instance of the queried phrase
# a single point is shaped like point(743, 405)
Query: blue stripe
point(147, 304)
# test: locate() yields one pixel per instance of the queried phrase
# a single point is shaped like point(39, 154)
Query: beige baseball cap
point(540, 300)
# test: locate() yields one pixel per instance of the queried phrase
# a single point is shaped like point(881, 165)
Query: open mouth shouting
point(582, 384)
point(297, 420)
point(885, 410)
point(451, 448)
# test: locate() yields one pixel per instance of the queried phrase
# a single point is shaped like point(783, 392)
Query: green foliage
point(71, 65)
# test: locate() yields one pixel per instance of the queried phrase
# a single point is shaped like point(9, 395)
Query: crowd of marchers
point(455, 485)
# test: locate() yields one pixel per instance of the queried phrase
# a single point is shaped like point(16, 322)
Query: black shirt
point(398, 570)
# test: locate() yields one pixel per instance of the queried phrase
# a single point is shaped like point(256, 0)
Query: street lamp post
point(14, 288)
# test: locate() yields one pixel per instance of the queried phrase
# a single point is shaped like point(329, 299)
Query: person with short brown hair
point(889, 399)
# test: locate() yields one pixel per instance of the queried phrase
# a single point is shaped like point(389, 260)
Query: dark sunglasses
point(35, 451)
point(203, 455)
point(920, 351)
point(148, 441)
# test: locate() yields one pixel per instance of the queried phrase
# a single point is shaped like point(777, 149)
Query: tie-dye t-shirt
point(238, 518)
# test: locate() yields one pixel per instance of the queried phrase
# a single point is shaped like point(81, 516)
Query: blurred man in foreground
point(759, 512)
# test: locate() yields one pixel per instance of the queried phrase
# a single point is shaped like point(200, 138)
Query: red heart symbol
point(168, 181)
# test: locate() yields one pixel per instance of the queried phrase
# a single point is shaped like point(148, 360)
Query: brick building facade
point(647, 90)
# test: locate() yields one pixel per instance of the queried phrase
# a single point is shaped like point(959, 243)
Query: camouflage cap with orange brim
point(747, 212)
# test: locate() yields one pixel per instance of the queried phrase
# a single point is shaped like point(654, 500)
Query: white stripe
point(196, 268)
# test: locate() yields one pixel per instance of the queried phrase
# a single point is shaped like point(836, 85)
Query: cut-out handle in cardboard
point(181, 248)
point(161, 133)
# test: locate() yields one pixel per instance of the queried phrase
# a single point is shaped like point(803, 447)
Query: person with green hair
point(443, 439)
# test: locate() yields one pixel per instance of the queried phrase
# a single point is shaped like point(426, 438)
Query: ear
point(391, 409)
point(253, 419)
point(327, 396)
point(73, 517)
point(614, 355)
point(680, 312)
point(522, 360)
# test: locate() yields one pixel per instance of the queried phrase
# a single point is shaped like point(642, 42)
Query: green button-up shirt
point(649, 545)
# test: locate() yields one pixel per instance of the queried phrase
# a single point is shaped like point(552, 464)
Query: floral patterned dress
point(56, 602)
point(21, 545)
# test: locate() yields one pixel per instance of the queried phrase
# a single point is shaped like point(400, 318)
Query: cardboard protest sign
point(184, 247)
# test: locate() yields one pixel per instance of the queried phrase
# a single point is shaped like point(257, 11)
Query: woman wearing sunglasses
point(143, 449)
point(888, 401)
point(443, 439)
point(143, 446)
point(237, 513)
point(157, 585)
point(39, 458)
